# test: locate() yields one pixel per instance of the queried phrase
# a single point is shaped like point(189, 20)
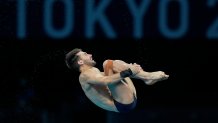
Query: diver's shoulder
point(84, 76)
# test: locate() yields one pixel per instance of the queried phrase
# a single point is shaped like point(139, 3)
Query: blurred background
point(177, 37)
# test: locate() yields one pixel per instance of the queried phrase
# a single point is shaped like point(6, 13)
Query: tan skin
point(103, 90)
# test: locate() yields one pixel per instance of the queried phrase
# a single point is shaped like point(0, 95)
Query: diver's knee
point(106, 62)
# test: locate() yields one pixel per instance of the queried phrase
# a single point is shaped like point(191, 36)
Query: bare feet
point(156, 77)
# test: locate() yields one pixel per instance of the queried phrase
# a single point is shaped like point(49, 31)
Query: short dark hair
point(72, 59)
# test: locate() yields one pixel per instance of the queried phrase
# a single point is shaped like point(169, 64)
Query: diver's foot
point(156, 77)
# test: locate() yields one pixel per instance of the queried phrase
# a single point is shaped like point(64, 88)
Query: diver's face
point(86, 59)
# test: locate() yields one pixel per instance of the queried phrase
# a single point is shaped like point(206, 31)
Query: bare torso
point(98, 94)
